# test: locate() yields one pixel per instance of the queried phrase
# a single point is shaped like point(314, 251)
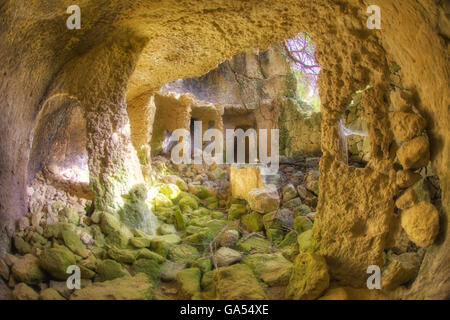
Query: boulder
point(302, 224)
point(415, 153)
point(306, 241)
point(421, 223)
point(50, 294)
point(237, 282)
point(312, 181)
point(203, 263)
point(226, 256)
point(293, 203)
point(4, 270)
point(122, 255)
point(307, 197)
point(272, 269)
point(243, 179)
point(253, 245)
point(264, 200)
point(309, 277)
point(56, 261)
point(72, 240)
point(406, 178)
point(406, 200)
point(407, 125)
point(23, 292)
point(288, 191)
point(252, 222)
point(400, 269)
point(149, 267)
point(26, 269)
point(169, 270)
point(237, 210)
point(147, 254)
point(183, 254)
point(109, 223)
point(108, 270)
point(188, 281)
point(229, 238)
point(138, 287)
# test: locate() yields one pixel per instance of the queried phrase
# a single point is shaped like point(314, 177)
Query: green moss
point(170, 190)
point(183, 254)
point(56, 261)
point(147, 254)
point(117, 238)
point(122, 255)
point(189, 282)
point(237, 210)
point(306, 241)
point(253, 244)
point(252, 222)
point(302, 224)
point(289, 239)
point(149, 267)
point(109, 270)
point(204, 264)
point(179, 220)
point(72, 240)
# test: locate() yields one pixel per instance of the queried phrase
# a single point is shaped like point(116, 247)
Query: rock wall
point(128, 49)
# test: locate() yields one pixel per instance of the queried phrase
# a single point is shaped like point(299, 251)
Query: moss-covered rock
point(272, 269)
point(205, 236)
point(275, 235)
point(302, 224)
point(138, 287)
point(169, 270)
point(26, 269)
point(122, 255)
point(50, 294)
point(56, 261)
point(183, 254)
point(109, 223)
point(118, 239)
point(309, 278)
point(288, 192)
point(208, 285)
point(253, 245)
point(227, 256)
point(237, 282)
point(147, 254)
point(264, 200)
point(170, 190)
point(188, 281)
point(179, 220)
point(237, 210)
point(23, 292)
point(140, 242)
point(188, 202)
point(306, 241)
point(252, 222)
point(149, 267)
point(71, 215)
point(72, 240)
point(203, 263)
point(22, 246)
point(109, 269)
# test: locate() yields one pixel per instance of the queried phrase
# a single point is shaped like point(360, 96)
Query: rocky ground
point(207, 245)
